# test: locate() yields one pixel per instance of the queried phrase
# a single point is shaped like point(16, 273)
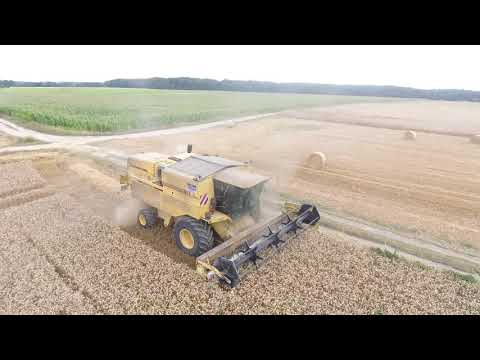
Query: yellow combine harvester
point(213, 205)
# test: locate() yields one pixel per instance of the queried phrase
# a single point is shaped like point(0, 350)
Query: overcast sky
point(416, 66)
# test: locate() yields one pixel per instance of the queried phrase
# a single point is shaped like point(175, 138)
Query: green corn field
point(108, 110)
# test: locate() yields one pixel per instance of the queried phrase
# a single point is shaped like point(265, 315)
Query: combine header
point(213, 206)
point(226, 261)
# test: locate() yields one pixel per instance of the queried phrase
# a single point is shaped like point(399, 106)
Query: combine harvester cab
point(213, 205)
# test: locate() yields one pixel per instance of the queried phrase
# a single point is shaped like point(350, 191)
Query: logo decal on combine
point(191, 188)
point(203, 199)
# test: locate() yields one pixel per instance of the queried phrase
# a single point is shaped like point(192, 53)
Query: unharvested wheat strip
point(97, 178)
point(19, 191)
point(22, 156)
point(18, 177)
point(25, 197)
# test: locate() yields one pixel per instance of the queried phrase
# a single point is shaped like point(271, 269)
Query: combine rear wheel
point(147, 218)
point(192, 236)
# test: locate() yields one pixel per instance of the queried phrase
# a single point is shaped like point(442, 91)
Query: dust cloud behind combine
point(125, 213)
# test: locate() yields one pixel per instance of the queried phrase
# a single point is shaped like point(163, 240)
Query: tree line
point(187, 83)
point(10, 83)
point(6, 83)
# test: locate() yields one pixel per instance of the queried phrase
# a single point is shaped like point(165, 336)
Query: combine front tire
point(147, 218)
point(192, 236)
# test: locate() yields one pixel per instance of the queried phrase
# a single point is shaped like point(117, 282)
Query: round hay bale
point(317, 160)
point(475, 139)
point(410, 135)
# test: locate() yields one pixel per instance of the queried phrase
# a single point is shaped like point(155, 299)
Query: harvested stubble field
point(64, 254)
point(446, 117)
point(428, 189)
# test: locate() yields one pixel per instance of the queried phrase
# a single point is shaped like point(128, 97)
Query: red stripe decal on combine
point(203, 199)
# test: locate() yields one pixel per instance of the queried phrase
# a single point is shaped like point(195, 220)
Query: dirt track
point(6, 140)
point(14, 130)
point(62, 253)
